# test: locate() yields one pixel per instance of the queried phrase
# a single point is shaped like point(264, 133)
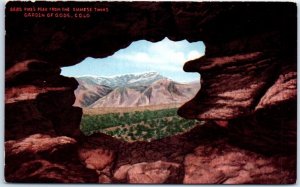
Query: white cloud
point(193, 55)
point(167, 55)
point(140, 57)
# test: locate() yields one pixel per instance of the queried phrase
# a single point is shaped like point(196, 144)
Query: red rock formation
point(219, 163)
point(151, 173)
point(41, 98)
point(42, 158)
point(248, 85)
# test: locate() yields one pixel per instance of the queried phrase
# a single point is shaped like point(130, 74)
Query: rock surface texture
point(247, 97)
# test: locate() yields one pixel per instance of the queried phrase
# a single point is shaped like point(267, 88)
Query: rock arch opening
point(134, 94)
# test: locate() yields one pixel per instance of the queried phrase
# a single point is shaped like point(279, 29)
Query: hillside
point(134, 90)
point(88, 92)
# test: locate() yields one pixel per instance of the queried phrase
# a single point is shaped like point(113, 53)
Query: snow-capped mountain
point(163, 91)
point(126, 80)
point(132, 90)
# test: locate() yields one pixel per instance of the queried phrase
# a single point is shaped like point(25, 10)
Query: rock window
point(134, 94)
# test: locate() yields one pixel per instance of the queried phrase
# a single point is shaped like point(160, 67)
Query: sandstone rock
point(39, 109)
point(153, 172)
point(207, 64)
point(284, 89)
point(104, 179)
point(44, 171)
point(28, 121)
point(28, 92)
point(269, 131)
point(220, 163)
point(121, 173)
point(219, 100)
point(151, 21)
point(35, 146)
point(96, 159)
point(37, 143)
point(42, 158)
point(170, 149)
point(28, 71)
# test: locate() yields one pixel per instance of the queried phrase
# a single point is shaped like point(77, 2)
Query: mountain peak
point(125, 80)
point(151, 73)
point(130, 90)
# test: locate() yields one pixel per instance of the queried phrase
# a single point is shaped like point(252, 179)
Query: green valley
point(139, 125)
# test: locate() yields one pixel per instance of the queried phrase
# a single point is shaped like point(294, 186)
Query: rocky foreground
point(204, 155)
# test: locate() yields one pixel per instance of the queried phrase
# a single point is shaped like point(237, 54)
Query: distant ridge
point(125, 80)
point(130, 90)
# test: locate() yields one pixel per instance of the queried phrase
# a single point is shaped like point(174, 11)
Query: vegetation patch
point(139, 125)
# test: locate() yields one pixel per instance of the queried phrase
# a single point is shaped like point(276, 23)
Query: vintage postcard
point(150, 92)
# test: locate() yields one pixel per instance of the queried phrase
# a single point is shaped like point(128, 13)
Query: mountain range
point(131, 90)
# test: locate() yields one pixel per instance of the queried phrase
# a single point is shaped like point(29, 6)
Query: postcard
point(150, 92)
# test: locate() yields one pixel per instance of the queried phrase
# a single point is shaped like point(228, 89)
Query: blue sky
point(165, 57)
